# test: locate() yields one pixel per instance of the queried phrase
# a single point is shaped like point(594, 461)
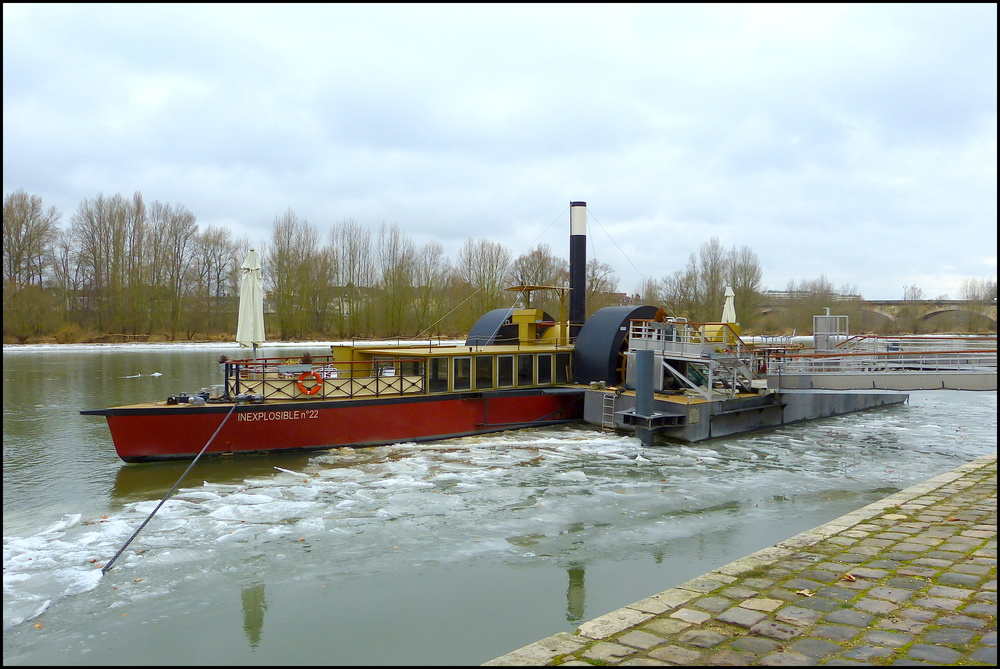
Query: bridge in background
point(895, 310)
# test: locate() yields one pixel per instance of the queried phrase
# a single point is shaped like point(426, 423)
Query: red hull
point(181, 431)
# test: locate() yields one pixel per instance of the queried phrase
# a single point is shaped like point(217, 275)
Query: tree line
point(126, 266)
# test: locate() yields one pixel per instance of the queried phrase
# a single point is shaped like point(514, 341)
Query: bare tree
point(395, 257)
point(483, 266)
point(650, 291)
point(101, 248)
point(213, 291)
point(978, 290)
point(290, 256)
point(713, 263)
point(807, 299)
point(176, 229)
point(430, 284)
point(130, 215)
point(744, 275)
point(982, 290)
point(324, 294)
point(539, 267)
point(680, 291)
point(354, 267)
point(66, 276)
point(602, 286)
point(28, 233)
point(110, 237)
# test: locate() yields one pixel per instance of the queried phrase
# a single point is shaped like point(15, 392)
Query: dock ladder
point(608, 412)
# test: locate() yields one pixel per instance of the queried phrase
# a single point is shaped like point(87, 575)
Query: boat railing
point(869, 362)
point(551, 340)
point(724, 360)
point(684, 339)
point(323, 377)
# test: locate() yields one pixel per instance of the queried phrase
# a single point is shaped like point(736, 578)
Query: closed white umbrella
point(729, 309)
point(250, 328)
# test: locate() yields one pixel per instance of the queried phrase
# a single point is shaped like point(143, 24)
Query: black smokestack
point(577, 266)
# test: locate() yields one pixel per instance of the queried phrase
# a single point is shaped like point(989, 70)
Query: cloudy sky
point(854, 142)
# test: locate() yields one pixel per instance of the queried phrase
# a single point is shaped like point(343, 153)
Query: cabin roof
point(461, 349)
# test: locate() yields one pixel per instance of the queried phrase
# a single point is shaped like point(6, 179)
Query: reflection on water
point(254, 606)
point(134, 482)
point(576, 594)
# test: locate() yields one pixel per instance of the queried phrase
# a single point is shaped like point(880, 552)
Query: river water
point(451, 552)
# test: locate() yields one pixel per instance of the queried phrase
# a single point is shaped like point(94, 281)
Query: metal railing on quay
point(906, 344)
point(984, 360)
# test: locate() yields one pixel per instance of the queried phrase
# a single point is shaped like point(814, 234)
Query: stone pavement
point(908, 580)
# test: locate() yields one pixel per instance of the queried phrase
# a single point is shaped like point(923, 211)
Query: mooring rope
point(170, 492)
point(533, 275)
point(620, 249)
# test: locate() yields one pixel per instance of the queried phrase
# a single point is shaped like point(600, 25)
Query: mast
point(577, 266)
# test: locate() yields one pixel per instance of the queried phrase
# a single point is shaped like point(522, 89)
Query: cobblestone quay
point(908, 580)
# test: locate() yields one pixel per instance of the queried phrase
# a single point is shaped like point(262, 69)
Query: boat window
point(562, 368)
point(544, 368)
point(505, 371)
point(525, 369)
point(484, 371)
point(437, 375)
point(462, 378)
point(385, 367)
point(411, 367)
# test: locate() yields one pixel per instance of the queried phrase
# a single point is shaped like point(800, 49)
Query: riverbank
point(909, 579)
point(160, 343)
point(219, 340)
point(227, 338)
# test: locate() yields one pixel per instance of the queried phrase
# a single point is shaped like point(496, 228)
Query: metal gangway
point(705, 359)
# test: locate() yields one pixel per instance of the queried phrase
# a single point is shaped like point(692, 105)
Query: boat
point(626, 368)
point(515, 370)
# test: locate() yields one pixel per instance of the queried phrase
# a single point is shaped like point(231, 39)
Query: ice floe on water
point(45, 567)
point(541, 494)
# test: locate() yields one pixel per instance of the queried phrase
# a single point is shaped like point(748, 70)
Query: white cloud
point(854, 141)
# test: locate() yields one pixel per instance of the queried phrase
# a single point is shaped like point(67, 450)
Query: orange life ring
point(315, 388)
